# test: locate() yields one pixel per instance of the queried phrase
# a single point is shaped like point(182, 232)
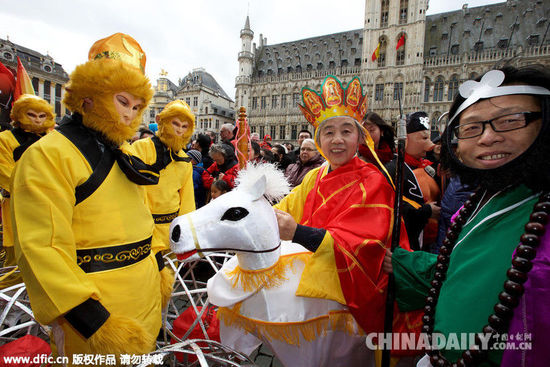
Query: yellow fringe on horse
point(269, 277)
point(290, 332)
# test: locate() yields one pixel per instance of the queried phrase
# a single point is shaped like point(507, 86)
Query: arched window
point(400, 54)
point(427, 86)
point(438, 89)
point(379, 89)
point(382, 55)
point(384, 11)
point(453, 88)
point(398, 88)
point(35, 83)
point(403, 10)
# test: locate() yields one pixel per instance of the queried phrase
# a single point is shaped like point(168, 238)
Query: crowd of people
point(86, 207)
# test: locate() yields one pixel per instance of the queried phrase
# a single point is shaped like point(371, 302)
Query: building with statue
point(439, 53)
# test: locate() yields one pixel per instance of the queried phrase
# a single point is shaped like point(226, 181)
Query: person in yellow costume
point(174, 194)
point(81, 224)
point(31, 117)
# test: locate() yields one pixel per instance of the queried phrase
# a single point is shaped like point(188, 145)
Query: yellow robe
point(49, 228)
point(8, 143)
point(172, 196)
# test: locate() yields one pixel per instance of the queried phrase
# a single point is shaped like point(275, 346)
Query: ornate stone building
point(440, 52)
point(208, 101)
point(48, 76)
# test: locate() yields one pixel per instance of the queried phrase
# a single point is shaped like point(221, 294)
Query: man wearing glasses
point(491, 276)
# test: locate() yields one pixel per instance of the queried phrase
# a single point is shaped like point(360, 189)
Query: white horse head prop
point(256, 290)
point(241, 220)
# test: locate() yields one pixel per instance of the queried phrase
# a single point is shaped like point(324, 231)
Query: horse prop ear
point(258, 188)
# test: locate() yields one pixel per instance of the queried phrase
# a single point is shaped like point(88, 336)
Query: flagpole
point(396, 231)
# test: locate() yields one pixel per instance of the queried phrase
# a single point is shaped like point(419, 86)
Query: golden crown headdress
point(334, 101)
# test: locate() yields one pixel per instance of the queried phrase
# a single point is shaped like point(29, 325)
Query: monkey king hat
point(119, 46)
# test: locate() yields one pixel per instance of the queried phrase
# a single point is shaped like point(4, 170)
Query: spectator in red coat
point(225, 166)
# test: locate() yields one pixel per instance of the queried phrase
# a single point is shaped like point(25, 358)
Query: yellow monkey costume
point(174, 194)
point(83, 244)
point(12, 145)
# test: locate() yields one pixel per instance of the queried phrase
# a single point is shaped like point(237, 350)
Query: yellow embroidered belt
point(114, 257)
point(164, 218)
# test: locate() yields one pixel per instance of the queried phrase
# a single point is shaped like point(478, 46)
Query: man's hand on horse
point(287, 225)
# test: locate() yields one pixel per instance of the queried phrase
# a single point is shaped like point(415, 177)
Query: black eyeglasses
point(513, 121)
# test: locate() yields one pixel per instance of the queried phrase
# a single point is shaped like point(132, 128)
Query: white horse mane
point(277, 186)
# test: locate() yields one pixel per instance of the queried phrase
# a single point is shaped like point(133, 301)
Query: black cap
point(417, 121)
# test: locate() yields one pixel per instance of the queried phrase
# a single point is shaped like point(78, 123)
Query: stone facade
point(48, 76)
point(440, 52)
point(208, 101)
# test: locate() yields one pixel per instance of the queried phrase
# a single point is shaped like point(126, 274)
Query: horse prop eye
point(176, 232)
point(235, 214)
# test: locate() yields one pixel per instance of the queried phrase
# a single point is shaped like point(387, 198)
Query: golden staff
point(242, 138)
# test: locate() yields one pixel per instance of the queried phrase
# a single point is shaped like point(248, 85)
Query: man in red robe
point(343, 212)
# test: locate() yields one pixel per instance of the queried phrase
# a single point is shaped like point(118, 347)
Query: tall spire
point(247, 23)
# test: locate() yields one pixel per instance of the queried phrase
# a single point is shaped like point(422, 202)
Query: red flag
point(401, 42)
point(7, 85)
point(376, 53)
point(8, 74)
point(24, 83)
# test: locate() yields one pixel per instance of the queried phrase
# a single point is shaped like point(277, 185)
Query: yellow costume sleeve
point(42, 212)
point(293, 203)
point(144, 149)
point(187, 191)
point(320, 276)
point(174, 194)
point(7, 145)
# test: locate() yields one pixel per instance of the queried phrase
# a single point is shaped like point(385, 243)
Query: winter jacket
point(295, 172)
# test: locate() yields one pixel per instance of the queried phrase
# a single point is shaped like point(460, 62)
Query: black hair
point(204, 142)
point(144, 131)
point(256, 148)
point(221, 185)
point(280, 149)
point(306, 131)
point(386, 131)
point(268, 156)
point(532, 167)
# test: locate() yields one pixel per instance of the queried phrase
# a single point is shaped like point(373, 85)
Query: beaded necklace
point(498, 321)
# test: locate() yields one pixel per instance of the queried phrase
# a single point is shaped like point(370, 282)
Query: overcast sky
point(180, 35)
